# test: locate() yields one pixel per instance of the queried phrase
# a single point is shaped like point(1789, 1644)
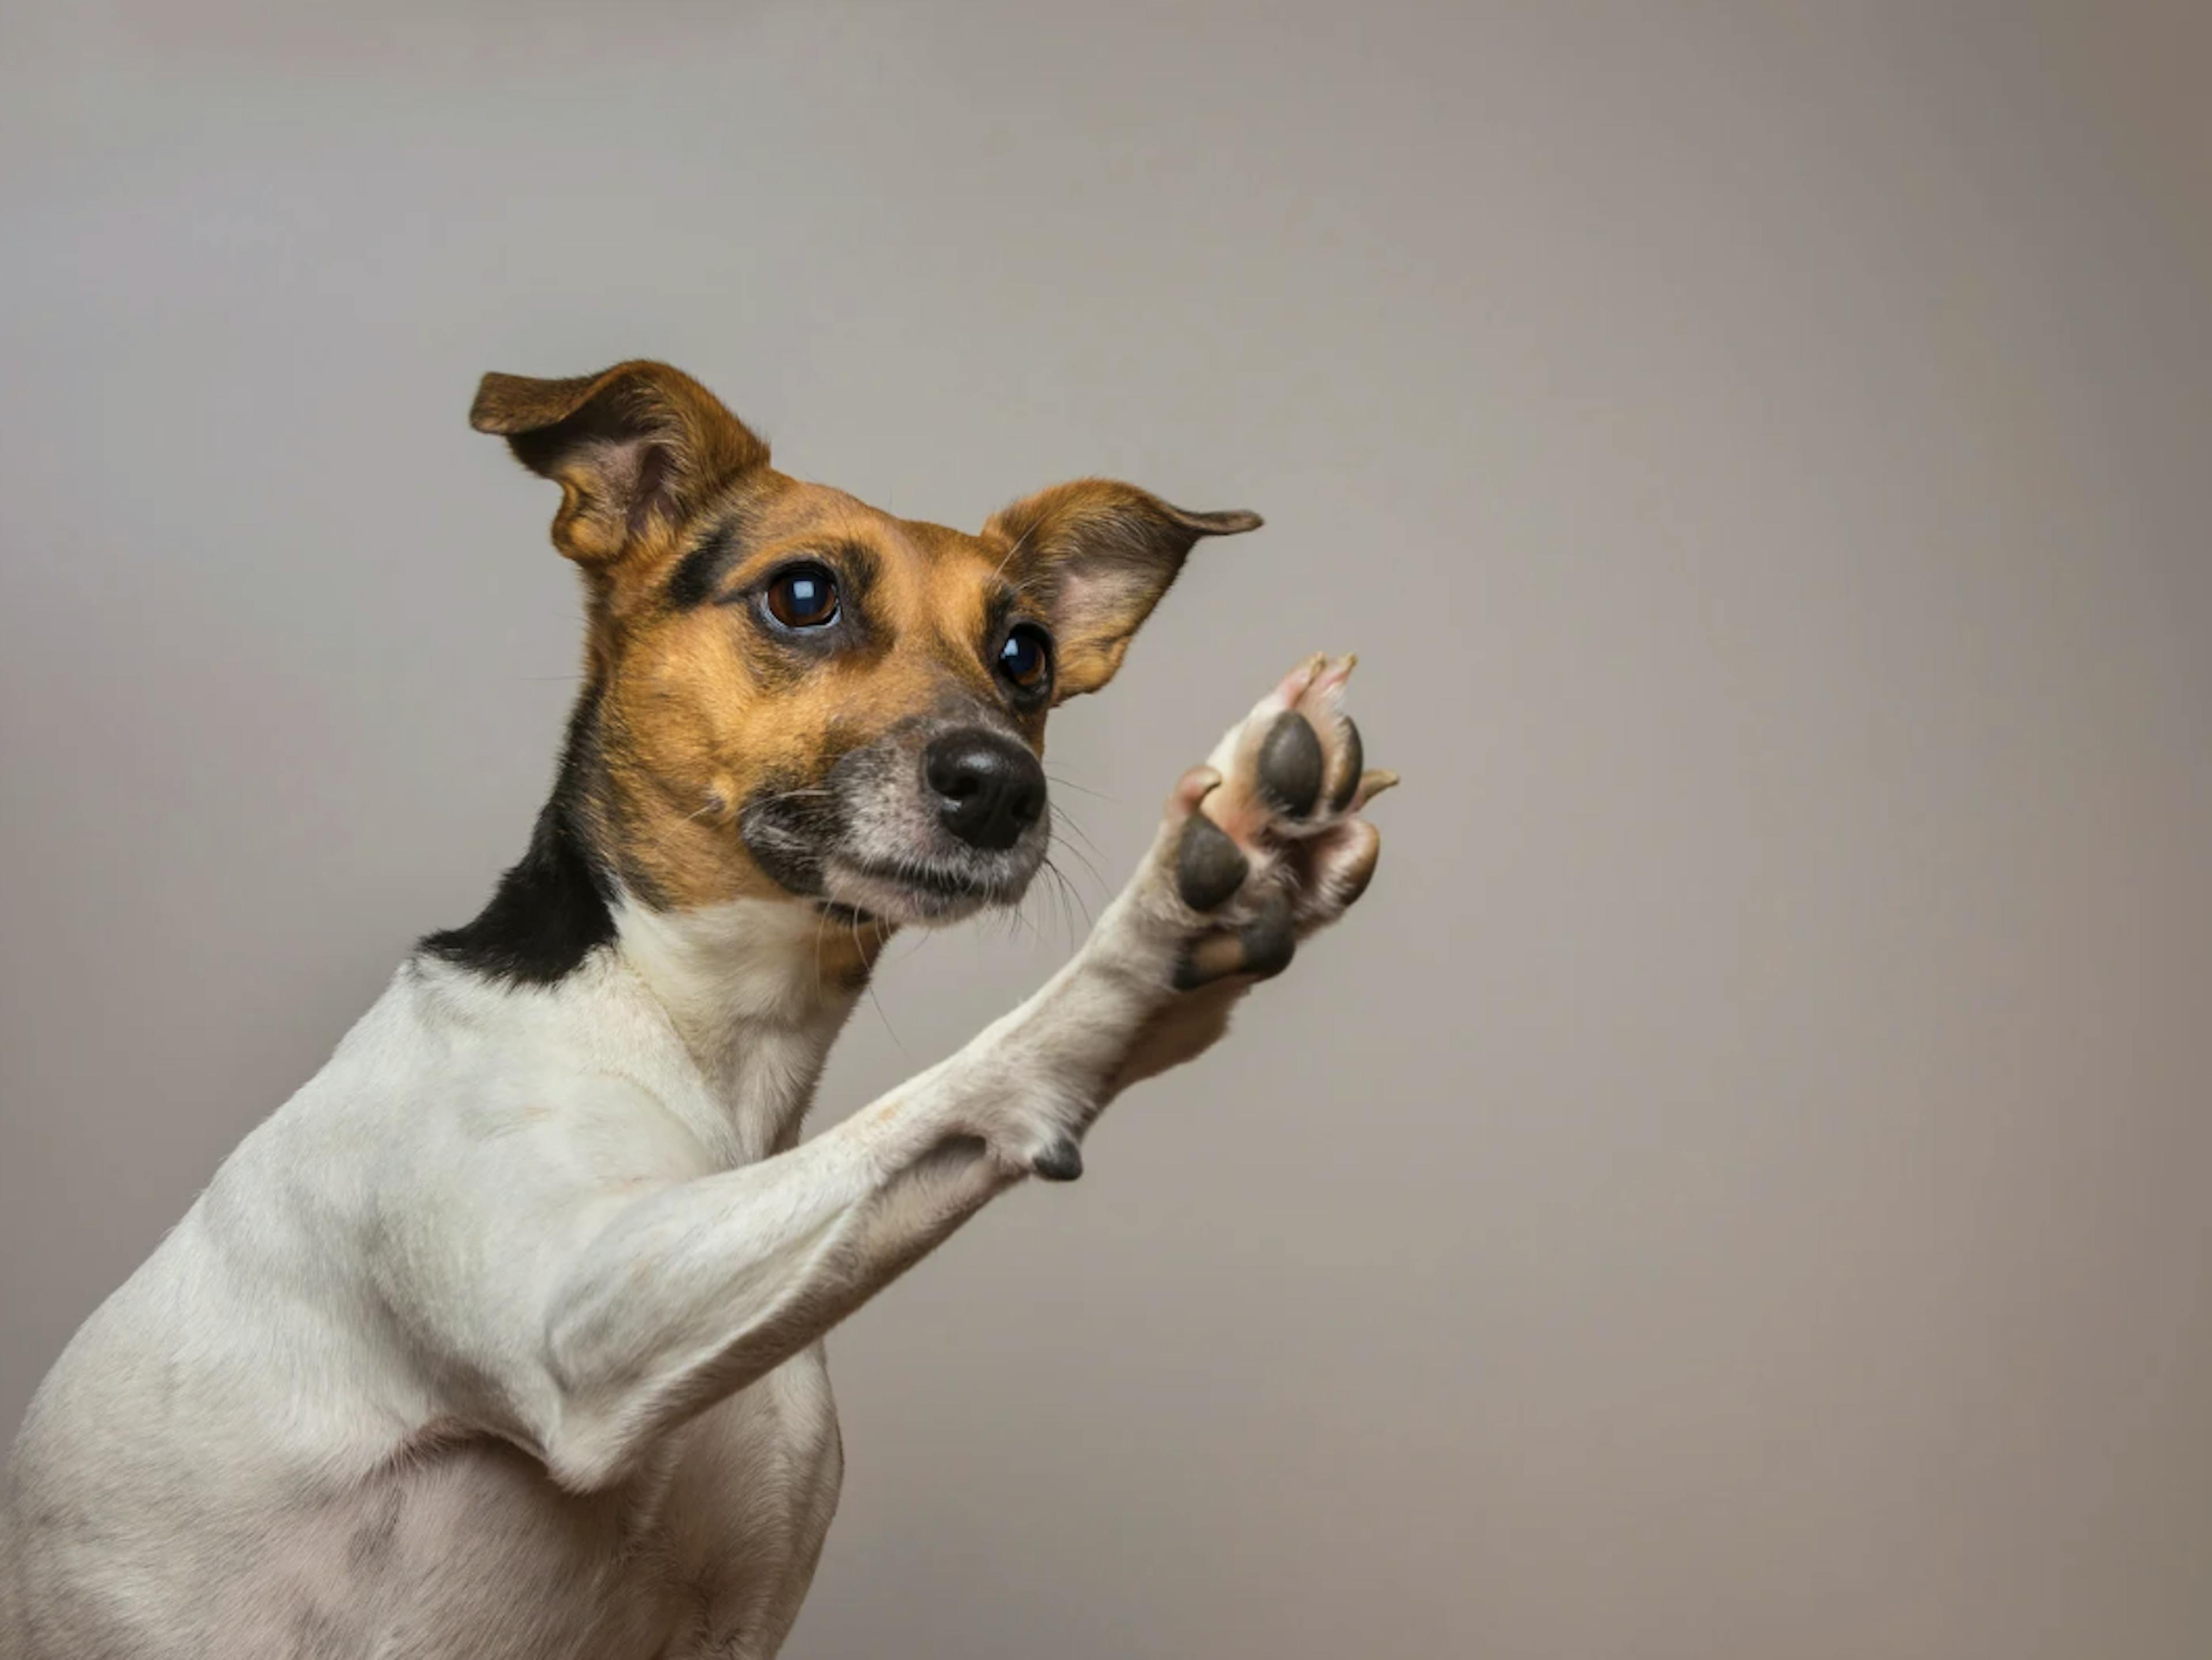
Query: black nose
point(990, 789)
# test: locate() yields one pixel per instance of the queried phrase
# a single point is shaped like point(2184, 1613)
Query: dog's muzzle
point(926, 825)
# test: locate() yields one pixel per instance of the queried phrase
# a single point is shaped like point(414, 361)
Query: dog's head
point(790, 693)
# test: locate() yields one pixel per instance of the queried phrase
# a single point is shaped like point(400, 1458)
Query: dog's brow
point(858, 567)
point(699, 573)
point(704, 575)
point(1000, 601)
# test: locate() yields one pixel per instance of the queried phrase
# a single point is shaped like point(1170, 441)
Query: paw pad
point(1270, 939)
point(1209, 866)
point(1290, 764)
point(1262, 948)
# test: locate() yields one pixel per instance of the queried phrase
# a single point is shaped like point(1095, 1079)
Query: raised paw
point(1258, 847)
point(1268, 842)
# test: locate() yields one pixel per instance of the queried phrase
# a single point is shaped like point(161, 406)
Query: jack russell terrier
point(501, 1340)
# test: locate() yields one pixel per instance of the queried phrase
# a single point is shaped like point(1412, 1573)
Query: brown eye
point(803, 597)
point(1026, 658)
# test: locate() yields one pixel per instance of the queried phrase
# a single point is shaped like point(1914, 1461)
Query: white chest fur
point(291, 1333)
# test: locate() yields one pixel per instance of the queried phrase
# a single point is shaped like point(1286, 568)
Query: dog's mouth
point(920, 891)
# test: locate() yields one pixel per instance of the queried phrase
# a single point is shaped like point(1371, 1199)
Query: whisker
point(1077, 903)
point(1016, 920)
point(1059, 907)
point(1070, 847)
point(876, 1000)
point(1069, 888)
point(1064, 817)
point(1070, 784)
point(1053, 893)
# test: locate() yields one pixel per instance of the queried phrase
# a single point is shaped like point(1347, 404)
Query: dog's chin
point(916, 894)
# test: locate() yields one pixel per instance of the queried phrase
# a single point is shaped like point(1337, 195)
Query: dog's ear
point(638, 443)
point(1100, 554)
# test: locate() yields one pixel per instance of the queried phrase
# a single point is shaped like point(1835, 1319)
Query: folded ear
point(639, 443)
point(1100, 554)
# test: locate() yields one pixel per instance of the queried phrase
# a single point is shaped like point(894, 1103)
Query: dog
point(501, 1340)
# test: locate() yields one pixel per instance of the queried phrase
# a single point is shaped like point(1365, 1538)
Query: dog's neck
point(756, 989)
point(749, 965)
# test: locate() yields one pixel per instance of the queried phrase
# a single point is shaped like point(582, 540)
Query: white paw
point(1258, 849)
point(1264, 844)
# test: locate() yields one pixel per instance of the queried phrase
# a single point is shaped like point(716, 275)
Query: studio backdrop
point(1738, 1184)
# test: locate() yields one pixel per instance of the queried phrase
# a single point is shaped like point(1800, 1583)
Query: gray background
point(1739, 1186)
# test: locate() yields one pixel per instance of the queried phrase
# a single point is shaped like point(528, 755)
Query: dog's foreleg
point(646, 1308)
point(691, 1292)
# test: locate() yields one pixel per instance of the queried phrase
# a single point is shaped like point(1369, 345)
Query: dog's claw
point(1209, 864)
point(1373, 783)
point(1290, 762)
point(1060, 1162)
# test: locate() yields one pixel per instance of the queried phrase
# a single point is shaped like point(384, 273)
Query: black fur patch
point(549, 912)
point(698, 575)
